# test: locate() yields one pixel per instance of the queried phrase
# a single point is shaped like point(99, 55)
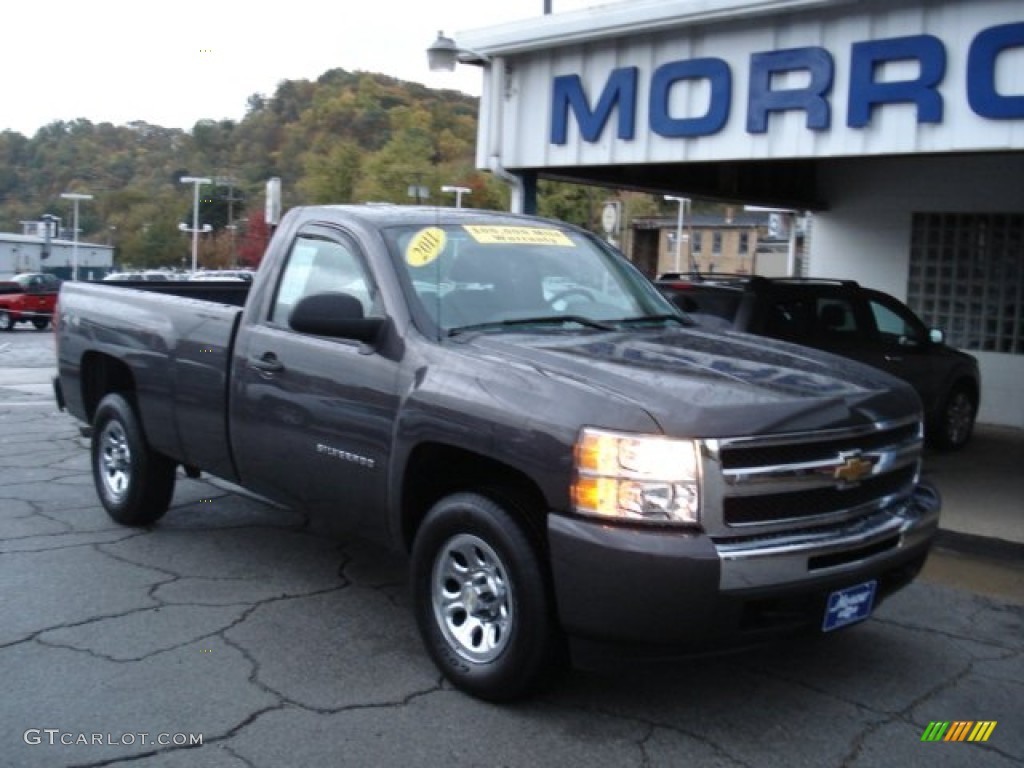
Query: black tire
point(134, 482)
point(41, 323)
point(482, 600)
point(6, 324)
point(954, 423)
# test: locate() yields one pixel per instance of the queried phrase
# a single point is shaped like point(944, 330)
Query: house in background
point(743, 243)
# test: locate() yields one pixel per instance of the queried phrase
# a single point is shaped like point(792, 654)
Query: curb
point(1012, 552)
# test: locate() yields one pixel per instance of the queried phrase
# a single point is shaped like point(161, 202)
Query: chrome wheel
point(481, 596)
point(115, 460)
point(134, 482)
point(472, 598)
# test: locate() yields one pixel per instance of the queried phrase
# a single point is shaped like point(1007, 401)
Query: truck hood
point(706, 384)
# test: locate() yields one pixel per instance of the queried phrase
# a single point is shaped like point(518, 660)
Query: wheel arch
point(436, 470)
point(102, 374)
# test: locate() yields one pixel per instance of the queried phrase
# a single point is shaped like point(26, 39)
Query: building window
point(967, 278)
point(744, 242)
point(698, 242)
point(716, 242)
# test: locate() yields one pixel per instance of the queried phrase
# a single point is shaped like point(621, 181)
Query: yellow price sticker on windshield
point(425, 246)
point(496, 235)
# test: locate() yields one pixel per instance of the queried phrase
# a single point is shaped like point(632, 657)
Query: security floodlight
point(441, 56)
point(444, 54)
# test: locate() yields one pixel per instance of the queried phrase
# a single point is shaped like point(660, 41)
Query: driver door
point(312, 416)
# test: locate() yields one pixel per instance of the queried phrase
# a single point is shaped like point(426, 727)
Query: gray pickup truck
point(576, 471)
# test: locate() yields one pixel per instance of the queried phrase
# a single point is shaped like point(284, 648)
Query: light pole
point(51, 229)
point(459, 192)
point(76, 197)
point(196, 181)
point(679, 225)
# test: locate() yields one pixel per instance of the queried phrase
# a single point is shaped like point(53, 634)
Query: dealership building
point(897, 126)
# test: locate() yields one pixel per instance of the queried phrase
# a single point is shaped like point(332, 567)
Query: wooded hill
point(347, 137)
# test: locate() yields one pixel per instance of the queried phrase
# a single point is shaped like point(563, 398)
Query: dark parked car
point(845, 318)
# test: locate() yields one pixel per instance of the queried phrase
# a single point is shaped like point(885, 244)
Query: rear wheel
point(954, 423)
point(134, 482)
point(41, 324)
point(6, 324)
point(482, 600)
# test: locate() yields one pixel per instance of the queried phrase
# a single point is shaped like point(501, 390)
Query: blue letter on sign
point(867, 57)
point(568, 92)
point(982, 95)
point(716, 72)
point(813, 99)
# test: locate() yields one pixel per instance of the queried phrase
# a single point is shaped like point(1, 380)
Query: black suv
point(845, 318)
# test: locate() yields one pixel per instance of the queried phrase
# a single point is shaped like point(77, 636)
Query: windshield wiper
point(653, 319)
point(586, 322)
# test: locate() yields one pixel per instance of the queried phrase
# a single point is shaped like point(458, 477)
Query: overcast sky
point(173, 63)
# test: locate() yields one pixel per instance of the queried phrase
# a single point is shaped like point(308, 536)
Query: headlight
point(642, 478)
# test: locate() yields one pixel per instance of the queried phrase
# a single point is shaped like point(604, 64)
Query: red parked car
point(28, 298)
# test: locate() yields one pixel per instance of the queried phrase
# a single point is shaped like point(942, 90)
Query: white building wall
point(519, 125)
point(22, 253)
point(865, 235)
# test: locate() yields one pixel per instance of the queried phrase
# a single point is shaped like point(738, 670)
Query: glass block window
point(967, 278)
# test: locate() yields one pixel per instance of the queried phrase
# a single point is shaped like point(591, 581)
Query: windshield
point(514, 275)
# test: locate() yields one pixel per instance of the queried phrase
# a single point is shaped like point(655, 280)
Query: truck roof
point(385, 214)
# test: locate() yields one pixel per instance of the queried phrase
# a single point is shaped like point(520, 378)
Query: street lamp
point(76, 197)
point(51, 229)
point(459, 192)
point(683, 201)
point(196, 181)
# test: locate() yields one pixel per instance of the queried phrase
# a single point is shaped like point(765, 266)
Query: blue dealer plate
point(848, 606)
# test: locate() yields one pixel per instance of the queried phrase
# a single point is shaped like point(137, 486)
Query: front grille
point(756, 455)
point(772, 507)
point(781, 482)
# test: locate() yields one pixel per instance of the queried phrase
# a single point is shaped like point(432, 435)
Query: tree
point(332, 178)
point(253, 240)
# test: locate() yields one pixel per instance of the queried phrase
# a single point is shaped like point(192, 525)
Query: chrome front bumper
point(864, 544)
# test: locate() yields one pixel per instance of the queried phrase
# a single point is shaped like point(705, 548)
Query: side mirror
point(936, 336)
point(339, 315)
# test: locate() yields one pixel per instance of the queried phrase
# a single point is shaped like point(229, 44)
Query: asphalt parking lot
point(249, 628)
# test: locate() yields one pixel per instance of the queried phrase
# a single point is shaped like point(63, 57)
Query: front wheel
point(134, 482)
point(954, 423)
point(481, 599)
point(41, 323)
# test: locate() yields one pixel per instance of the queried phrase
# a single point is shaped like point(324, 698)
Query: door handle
point(894, 358)
point(267, 363)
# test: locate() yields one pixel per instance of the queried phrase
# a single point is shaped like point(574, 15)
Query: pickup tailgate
point(177, 351)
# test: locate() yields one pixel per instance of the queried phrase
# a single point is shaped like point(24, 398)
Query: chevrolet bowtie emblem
point(854, 467)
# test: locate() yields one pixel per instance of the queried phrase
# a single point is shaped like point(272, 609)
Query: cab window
point(318, 264)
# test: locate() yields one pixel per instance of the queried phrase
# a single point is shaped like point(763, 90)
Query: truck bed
point(233, 292)
point(174, 341)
